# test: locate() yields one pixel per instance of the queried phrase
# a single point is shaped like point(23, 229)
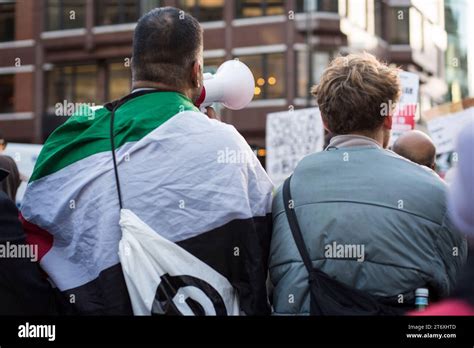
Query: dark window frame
point(392, 37)
point(264, 58)
point(61, 22)
point(6, 108)
point(139, 9)
point(310, 79)
point(108, 71)
point(196, 10)
point(300, 6)
point(73, 76)
point(263, 5)
point(10, 37)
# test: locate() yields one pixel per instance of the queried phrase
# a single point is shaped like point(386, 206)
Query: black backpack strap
point(295, 228)
point(114, 156)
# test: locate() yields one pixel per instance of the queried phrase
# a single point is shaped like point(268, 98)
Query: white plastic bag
point(163, 278)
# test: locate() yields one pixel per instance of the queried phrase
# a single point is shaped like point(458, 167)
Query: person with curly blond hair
point(371, 220)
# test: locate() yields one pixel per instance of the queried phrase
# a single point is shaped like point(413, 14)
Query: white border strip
point(62, 33)
point(243, 51)
point(6, 70)
point(318, 15)
point(103, 29)
point(400, 48)
point(304, 102)
point(213, 25)
point(300, 46)
point(16, 116)
point(214, 53)
point(265, 103)
point(241, 22)
point(17, 44)
point(399, 3)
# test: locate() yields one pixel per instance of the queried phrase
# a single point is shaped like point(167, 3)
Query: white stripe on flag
point(173, 179)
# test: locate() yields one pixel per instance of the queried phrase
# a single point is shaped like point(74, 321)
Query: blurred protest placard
point(25, 156)
point(444, 130)
point(404, 116)
point(291, 135)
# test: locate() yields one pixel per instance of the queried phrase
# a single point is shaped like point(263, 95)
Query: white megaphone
point(232, 85)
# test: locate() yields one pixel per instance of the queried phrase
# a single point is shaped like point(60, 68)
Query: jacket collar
point(351, 140)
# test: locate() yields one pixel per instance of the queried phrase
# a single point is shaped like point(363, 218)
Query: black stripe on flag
point(238, 250)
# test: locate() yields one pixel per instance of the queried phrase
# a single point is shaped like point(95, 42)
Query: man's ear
point(196, 76)
point(325, 123)
point(387, 122)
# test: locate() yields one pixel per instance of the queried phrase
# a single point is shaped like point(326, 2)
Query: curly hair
point(353, 91)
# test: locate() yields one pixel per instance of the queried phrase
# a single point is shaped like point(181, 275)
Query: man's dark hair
point(165, 45)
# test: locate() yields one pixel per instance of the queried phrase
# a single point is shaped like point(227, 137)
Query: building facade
point(457, 52)
point(52, 51)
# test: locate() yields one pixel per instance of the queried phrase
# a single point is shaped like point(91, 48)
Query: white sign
point(404, 117)
point(410, 83)
point(445, 129)
point(291, 135)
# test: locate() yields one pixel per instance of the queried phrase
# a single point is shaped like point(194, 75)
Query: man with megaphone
point(136, 210)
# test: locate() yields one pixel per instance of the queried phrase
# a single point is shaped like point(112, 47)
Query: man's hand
point(211, 113)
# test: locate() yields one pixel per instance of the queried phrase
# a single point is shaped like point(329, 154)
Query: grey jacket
point(364, 198)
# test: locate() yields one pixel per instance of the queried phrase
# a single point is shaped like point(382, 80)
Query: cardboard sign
point(444, 130)
point(291, 135)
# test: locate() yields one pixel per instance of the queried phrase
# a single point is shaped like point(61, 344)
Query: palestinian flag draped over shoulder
point(192, 184)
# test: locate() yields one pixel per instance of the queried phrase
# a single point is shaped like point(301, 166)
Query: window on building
point(317, 5)
point(456, 18)
point(258, 8)
point(204, 10)
point(120, 80)
point(212, 64)
point(320, 61)
point(73, 84)
point(111, 12)
point(65, 14)
point(7, 87)
point(398, 25)
point(302, 74)
point(275, 75)
point(269, 73)
point(7, 21)
point(379, 9)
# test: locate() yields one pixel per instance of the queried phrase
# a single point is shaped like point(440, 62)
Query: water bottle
point(421, 299)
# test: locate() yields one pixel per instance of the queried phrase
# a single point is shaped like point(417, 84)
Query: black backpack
point(327, 295)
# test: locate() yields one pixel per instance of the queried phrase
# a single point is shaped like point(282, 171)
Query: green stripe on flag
point(83, 136)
